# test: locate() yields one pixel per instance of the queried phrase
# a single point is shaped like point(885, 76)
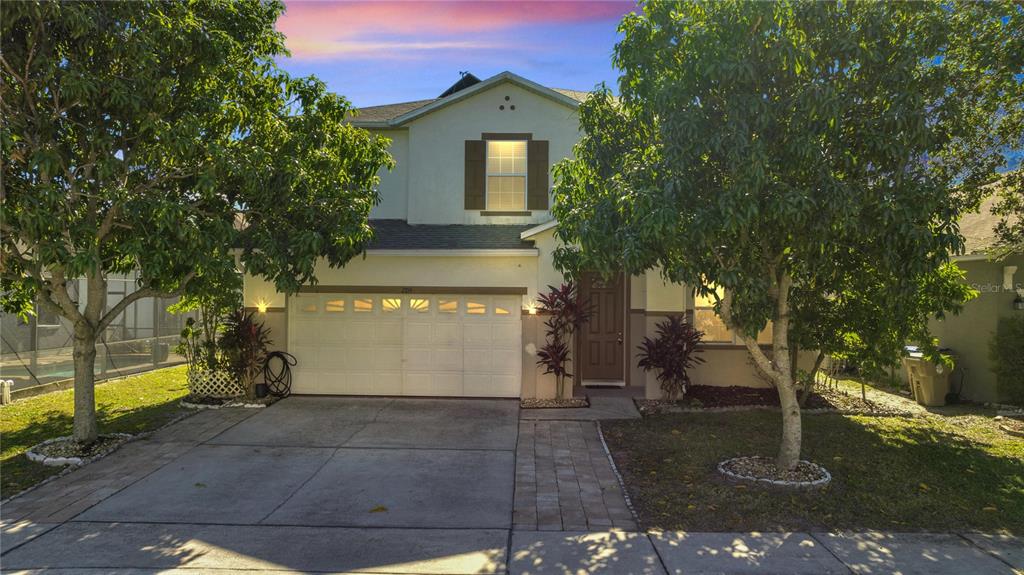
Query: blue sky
point(384, 52)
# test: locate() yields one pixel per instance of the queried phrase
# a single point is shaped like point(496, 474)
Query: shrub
point(672, 353)
point(244, 345)
point(567, 315)
point(1007, 355)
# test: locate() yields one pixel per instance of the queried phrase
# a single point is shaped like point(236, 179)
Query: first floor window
point(506, 175)
point(715, 331)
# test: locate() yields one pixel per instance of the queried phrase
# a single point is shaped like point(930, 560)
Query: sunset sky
point(384, 52)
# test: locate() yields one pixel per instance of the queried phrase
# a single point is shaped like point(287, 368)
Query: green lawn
point(130, 405)
point(937, 472)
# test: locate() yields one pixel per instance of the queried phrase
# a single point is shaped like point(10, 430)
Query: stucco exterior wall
point(436, 148)
point(535, 382)
point(547, 275)
point(970, 333)
point(394, 184)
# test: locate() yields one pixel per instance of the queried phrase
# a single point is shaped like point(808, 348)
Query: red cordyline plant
point(567, 315)
point(672, 352)
point(244, 344)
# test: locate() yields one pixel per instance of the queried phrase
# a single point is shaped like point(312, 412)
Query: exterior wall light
point(261, 306)
point(531, 308)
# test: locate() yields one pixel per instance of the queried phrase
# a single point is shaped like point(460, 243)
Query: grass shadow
point(905, 474)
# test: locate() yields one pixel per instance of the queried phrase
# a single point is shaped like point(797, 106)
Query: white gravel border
point(825, 479)
point(190, 405)
point(618, 476)
point(33, 455)
point(806, 411)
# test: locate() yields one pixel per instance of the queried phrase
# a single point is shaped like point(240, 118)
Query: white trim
point(487, 175)
point(538, 229)
point(517, 252)
point(481, 86)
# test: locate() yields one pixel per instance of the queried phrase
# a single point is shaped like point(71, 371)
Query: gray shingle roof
point(578, 95)
point(400, 235)
point(388, 111)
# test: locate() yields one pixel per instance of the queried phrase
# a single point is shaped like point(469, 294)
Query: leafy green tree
point(1009, 206)
point(810, 158)
point(161, 137)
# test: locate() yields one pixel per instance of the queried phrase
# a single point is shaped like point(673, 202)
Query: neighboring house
point(999, 284)
point(444, 301)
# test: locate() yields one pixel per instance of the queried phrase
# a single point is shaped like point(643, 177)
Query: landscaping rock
point(566, 403)
point(195, 402)
point(764, 470)
point(61, 451)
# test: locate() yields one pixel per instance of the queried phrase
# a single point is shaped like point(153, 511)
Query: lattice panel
point(211, 383)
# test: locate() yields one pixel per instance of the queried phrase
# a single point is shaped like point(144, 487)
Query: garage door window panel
point(419, 305)
point(476, 306)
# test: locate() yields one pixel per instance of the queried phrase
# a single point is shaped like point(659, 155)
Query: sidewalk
point(538, 553)
point(190, 548)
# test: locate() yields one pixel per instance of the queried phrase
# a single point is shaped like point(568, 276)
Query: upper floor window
point(506, 175)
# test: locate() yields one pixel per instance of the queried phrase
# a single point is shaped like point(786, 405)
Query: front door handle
point(620, 337)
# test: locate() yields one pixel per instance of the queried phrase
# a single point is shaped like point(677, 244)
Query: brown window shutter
point(476, 174)
point(537, 175)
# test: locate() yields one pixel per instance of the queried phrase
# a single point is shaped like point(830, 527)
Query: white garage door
point(372, 344)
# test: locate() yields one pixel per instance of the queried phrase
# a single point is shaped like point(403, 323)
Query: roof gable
point(395, 115)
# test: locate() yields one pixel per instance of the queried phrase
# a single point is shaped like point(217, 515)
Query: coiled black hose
point(278, 375)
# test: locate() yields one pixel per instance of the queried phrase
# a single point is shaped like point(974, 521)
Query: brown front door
point(601, 338)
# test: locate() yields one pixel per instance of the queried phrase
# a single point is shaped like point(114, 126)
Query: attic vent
point(464, 82)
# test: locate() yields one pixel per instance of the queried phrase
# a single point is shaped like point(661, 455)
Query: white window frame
point(525, 174)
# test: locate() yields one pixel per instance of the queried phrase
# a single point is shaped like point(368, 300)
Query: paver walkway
point(564, 480)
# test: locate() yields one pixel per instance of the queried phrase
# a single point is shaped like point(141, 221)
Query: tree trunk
point(789, 449)
point(85, 428)
point(812, 379)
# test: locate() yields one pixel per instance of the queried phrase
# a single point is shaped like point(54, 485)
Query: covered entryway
point(421, 344)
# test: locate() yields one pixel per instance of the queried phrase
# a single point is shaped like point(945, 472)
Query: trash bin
point(928, 381)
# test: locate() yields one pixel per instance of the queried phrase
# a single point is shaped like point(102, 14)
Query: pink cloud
point(328, 29)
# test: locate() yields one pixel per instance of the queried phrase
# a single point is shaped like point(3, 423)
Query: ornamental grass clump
point(671, 353)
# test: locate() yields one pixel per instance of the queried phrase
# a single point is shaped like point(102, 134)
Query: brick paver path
point(564, 481)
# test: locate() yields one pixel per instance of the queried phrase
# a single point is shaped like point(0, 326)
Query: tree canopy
point(161, 137)
point(809, 158)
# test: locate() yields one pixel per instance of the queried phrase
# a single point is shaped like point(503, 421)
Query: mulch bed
point(714, 397)
point(567, 403)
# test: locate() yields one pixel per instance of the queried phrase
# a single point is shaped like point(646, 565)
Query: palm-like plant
point(672, 352)
point(567, 315)
point(244, 344)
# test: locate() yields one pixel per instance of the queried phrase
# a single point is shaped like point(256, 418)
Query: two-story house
point(443, 304)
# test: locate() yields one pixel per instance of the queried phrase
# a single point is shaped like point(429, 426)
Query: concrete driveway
point(405, 486)
point(297, 485)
